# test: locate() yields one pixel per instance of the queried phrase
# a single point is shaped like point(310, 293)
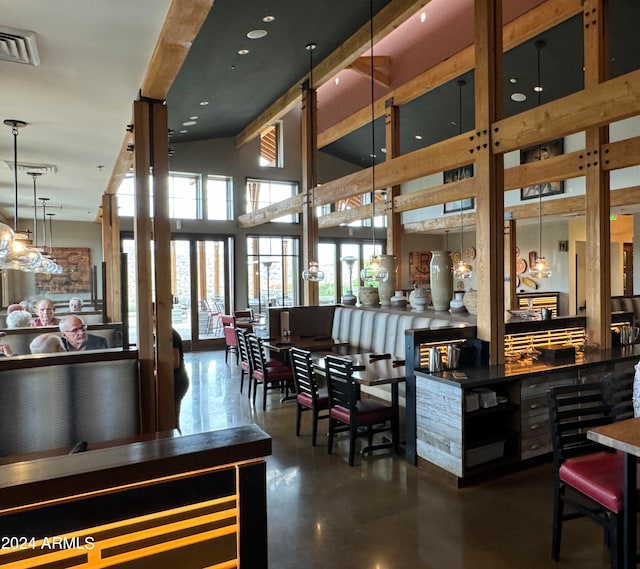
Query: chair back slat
point(618, 389)
point(243, 346)
point(573, 410)
point(341, 388)
point(256, 353)
point(303, 375)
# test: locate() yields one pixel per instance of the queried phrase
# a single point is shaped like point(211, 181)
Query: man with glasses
point(75, 337)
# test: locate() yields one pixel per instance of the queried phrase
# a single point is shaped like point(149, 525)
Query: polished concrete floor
point(383, 513)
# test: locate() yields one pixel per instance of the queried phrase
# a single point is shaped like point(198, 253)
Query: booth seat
point(19, 339)
point(380, 332)
point(630, 303)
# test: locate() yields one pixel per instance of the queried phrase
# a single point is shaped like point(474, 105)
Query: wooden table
point(282, 344)
point(624, 436)
point(375, 372)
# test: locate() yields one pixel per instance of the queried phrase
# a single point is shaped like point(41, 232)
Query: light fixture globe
point(540, 269)
point(313, 273)
point(374, 271)
point(6, 239)
point(462, 270)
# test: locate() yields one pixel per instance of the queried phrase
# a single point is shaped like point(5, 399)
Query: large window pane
point(219, 198)
point(211, 288)
point(327, 264)
point(181, 288)
point(261, 193)
point(183, 196)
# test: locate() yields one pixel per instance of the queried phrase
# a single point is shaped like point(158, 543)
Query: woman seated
point(46, 344)
point(18, 318)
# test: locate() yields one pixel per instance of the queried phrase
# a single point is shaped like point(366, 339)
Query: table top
point(623, 435)
point(284, 343)
point(376, 372)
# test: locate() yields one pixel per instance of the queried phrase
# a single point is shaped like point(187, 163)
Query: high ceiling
point(93, 58)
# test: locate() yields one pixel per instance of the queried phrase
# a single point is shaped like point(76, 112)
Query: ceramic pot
point(388, 287)
point(441, 279)
point(369, 296)
point(470, 300)
point(399, 300)
point(420, 298)
point(457, 304)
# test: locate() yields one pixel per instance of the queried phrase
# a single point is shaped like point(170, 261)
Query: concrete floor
point(383, 513)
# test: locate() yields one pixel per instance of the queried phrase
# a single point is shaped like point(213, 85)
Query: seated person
point(46, 344)
point(5, 349)
point(45, 310)
point(75, 304)
point(18, 318)
point(26, 305)
point(75, 337)
point(12, 307)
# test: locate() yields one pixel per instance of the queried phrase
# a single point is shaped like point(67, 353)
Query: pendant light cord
point(373, 137)
point(310, 47)
point(461, 84)
point(539, 44)
point(14, 131)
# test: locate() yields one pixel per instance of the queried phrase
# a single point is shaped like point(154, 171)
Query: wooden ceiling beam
point(389, 18)
point(363, 66)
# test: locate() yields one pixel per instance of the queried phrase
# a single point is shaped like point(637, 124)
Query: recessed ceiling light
point(204, 103)
point(256, 34)
point(518, 97)
point(513, 80)
point(538, 89)
point(194, 118)
point(418, 137)
point(268, 19)
point(189, 123)
point(383, 150)
point(337, 80)
point(423, 17)
point(243, 51)
point(183, 131)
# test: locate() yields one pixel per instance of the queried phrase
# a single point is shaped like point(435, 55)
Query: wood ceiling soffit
point(362, 65)
point(390, 17)
point(527, 26)
point(182, 24)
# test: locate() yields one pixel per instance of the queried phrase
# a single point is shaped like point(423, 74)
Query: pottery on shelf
point(388, 287)
point(398, 300)
point(419, 298)
point(456, 305)
point(368, 296)
point(470, 300)
point(441, 273)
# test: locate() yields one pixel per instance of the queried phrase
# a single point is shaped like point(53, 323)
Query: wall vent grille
point(18, 46)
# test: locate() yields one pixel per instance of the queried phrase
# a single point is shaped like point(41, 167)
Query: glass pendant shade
point(374, 272)
point(462, 270)
point(22, 257)
point(313, 273)
point(6, 239)
point(540, 269)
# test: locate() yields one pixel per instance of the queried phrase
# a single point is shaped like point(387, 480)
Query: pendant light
point(461, 269)
point(539, 269)
point(374, 271)
point(20, 255)
point(313, 273)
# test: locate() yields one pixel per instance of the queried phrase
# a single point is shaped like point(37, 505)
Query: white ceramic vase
point(388, 287)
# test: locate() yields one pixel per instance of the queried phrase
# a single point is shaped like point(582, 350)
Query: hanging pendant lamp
point(374, 271)
point(540, 269)
point(461, 269)
point(313, 272)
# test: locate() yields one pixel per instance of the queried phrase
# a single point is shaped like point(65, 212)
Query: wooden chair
point(231, 343)
point(280, 377)
point(309, 396)
point(245, 359)
point(588, 479)
point(347, 412)
point(213, 317)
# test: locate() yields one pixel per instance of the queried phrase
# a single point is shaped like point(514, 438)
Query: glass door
point(211, 276)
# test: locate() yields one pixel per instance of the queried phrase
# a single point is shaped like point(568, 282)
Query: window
point(219, 198)
point(261, 193)
point(270, 155)
point(184, 196)
point(272, 272)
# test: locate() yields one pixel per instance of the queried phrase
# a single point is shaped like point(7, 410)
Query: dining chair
point(618, 391)
point(231, 343)
point(588, 479)
point(213, 317)
point(228, 320)
point(347, 412)
point(275, 377)
point(243, 313)
point(310, 397)
point(245, 359)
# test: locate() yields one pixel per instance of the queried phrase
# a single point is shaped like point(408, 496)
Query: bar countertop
point(481, 376)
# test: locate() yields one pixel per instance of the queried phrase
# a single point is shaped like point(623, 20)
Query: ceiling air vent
point(18, 46)
point(31, 167)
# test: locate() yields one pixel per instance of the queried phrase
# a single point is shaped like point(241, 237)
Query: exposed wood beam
point(363, 66)
point(527, 26)
point(390, 17)
point(285, 207)
point(181, 26)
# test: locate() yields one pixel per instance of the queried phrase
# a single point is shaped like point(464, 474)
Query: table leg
point(395, 403)
point(629, 514)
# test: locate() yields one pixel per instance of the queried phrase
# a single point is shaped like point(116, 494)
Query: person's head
point(13, 307)
point(46, 344)
point(26, 305)
point(44, 310)
point(75, 304)
point(74, 331)
point(18, 319)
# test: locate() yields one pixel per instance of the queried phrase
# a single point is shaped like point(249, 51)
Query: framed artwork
point(76, 262)
point(535, 154)
point(419, 272)
point(454, 175)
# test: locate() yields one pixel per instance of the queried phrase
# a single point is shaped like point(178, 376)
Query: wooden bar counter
point(190, 502)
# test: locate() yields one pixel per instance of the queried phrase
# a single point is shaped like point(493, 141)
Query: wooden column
point(490, 177)
point(156, 365)
point(510, 240)
point(111, 256)
point(309, 128)
point(394, 225)
point(598, 245)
